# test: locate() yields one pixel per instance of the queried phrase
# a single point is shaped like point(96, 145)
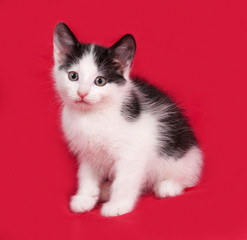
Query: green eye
point(73, 76)
point(100, 81)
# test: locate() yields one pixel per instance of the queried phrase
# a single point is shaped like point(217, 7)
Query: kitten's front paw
point(79, 204)
point(115, 209)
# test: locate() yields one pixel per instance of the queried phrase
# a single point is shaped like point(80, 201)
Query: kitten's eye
point(100, 81)
point(73, 76)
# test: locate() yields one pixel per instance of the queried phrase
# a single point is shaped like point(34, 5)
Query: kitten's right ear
point(64, 42)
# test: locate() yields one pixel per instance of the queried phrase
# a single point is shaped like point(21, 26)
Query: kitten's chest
point(91, 131)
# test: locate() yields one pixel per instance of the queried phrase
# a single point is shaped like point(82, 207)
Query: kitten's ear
point(64, 42)
point(123, 52)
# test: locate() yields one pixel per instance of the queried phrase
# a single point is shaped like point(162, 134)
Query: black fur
point(175, 134)
point(131, 108)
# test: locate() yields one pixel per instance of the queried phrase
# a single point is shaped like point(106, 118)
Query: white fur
point(109, 147)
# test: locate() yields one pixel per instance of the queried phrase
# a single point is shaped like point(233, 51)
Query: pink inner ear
point(63, 46)
point(61, 50)
point(122, 64)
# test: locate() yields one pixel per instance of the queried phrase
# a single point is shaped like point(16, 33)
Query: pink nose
point(82, 94)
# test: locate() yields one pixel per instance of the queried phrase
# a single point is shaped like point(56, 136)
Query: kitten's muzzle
point(82, 95)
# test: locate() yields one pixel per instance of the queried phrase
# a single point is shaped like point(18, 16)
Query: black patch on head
point(175, 134)
point(75, 55)
point(131, 108)
point(107, 66)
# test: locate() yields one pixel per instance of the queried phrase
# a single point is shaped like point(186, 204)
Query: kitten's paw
point(79, 204)
point(168, 188)
point(115, 209)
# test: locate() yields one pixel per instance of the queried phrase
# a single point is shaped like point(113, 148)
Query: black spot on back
point(176, 136)
point(131, 108)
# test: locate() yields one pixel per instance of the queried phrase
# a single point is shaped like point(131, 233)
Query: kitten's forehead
point(87, 65)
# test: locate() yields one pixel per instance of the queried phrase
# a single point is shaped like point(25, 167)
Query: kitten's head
point(89, 75)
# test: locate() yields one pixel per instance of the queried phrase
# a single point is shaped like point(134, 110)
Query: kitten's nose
point(82, 94)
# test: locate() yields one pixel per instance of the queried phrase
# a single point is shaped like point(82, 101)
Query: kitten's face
point(84, 84)
point(88, 75)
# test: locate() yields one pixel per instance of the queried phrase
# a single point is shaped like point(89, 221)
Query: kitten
point(128, 136)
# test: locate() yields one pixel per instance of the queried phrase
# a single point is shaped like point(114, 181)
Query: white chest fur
point(87, 131)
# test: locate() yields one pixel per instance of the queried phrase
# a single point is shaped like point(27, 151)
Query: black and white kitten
point(127, 135)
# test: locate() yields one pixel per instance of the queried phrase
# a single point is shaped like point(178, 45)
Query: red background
point(196, 50)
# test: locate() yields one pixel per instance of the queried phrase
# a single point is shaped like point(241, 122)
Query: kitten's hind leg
point(178, 174)
point(168, 188)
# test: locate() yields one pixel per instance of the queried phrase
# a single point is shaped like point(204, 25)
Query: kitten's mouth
point(81, 101)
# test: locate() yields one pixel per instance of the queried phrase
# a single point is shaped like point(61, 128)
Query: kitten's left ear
point(123, 52)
